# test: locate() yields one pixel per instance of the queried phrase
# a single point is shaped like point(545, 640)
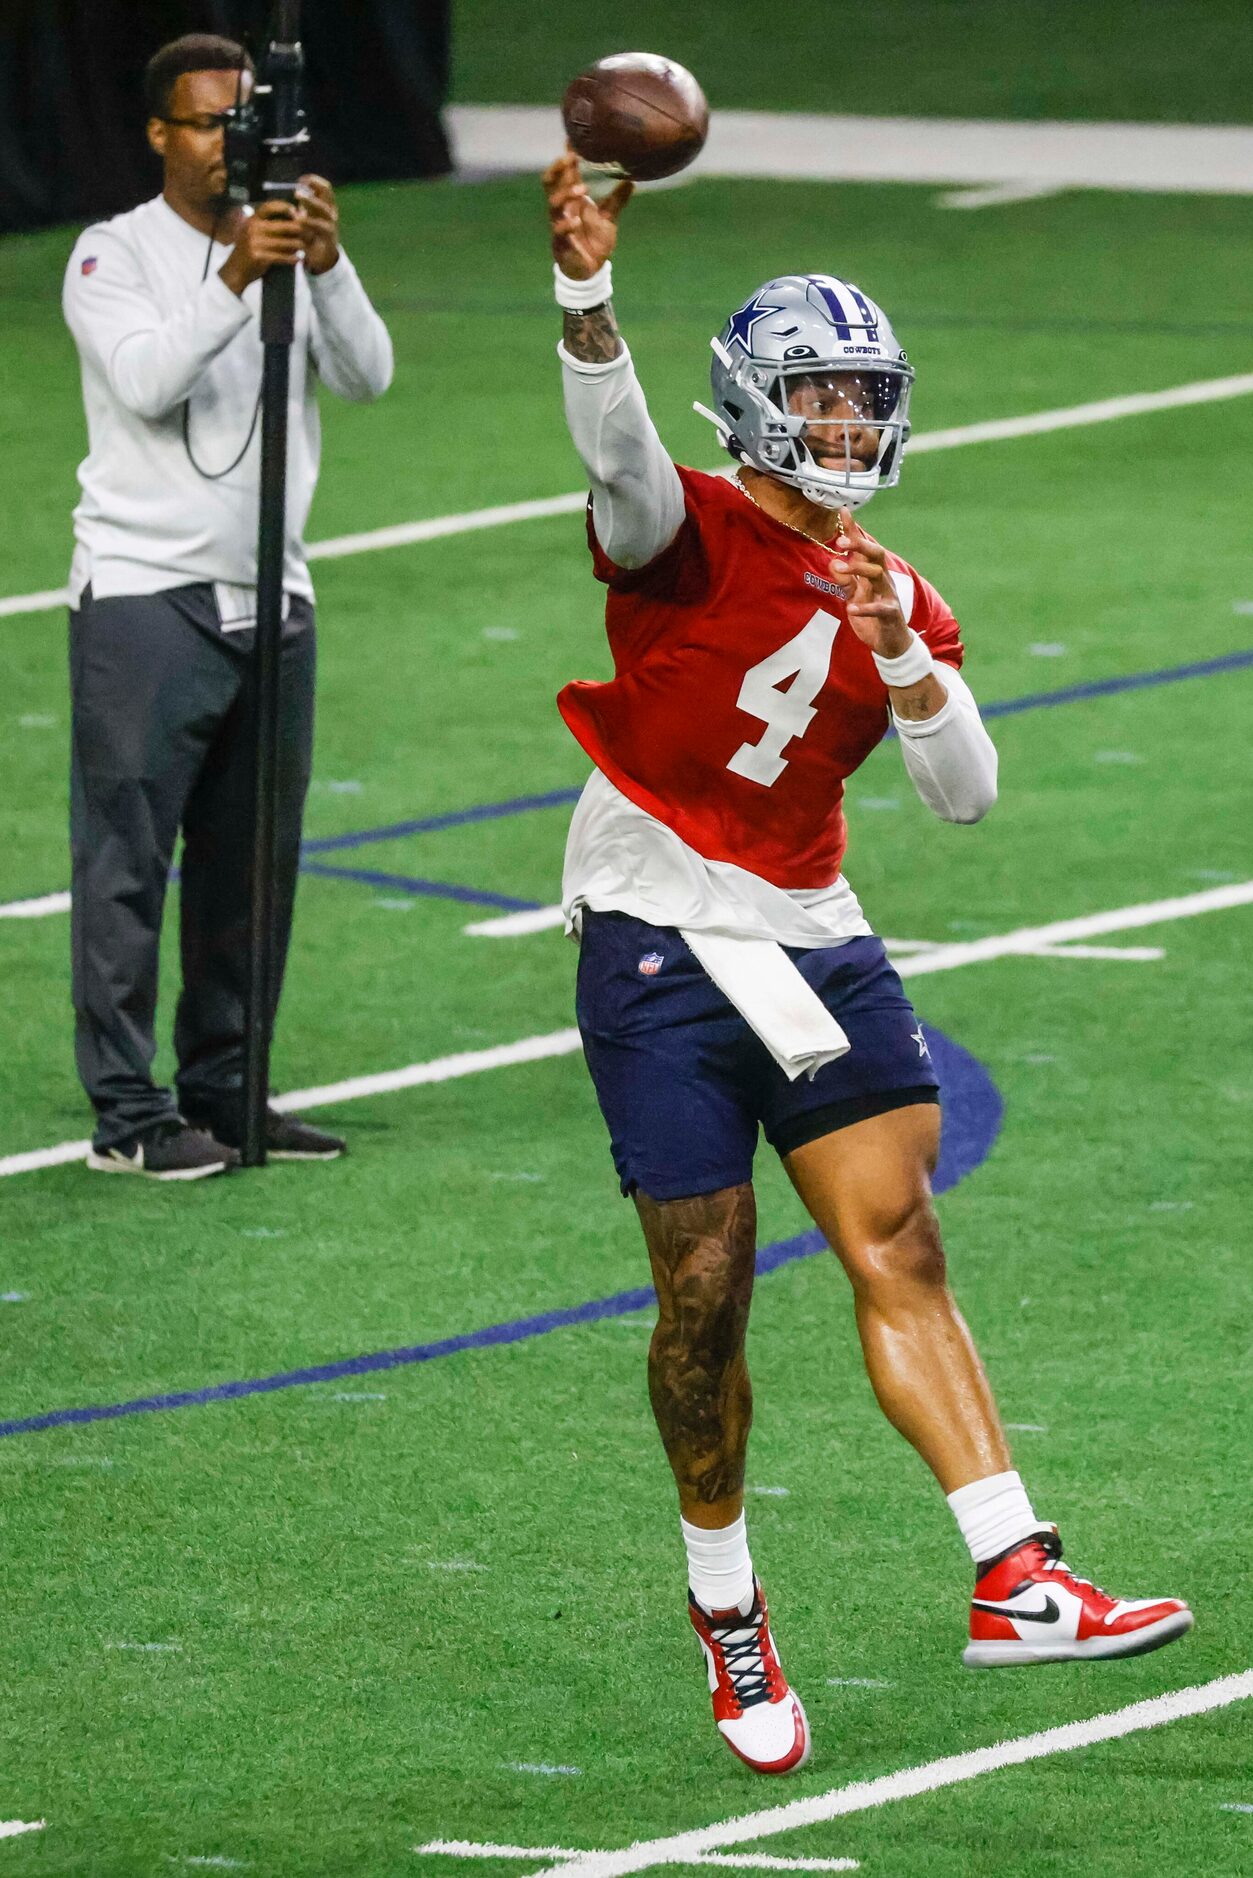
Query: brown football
point(642, 114)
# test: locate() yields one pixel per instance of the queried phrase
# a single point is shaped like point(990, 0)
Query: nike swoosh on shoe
point(1048, 1612)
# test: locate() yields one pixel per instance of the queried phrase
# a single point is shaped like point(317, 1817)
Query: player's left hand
point(320, 214)
point(874, 612)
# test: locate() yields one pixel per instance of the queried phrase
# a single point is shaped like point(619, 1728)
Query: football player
point(762, 642)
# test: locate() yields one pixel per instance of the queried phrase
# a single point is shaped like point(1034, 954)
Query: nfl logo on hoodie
point(651, 964)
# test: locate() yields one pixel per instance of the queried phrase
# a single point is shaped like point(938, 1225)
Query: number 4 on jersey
point(786, 707)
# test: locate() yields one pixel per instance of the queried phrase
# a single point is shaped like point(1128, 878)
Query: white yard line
point(10, 1828)
point(863, 1795)
point(943, 958)
point(1135, 954)
point(748, 1861)
point(1090, 926)
point(995, 430)
point(805, 146)
point(516, 925)
point(545, 918)
point(471, 1848)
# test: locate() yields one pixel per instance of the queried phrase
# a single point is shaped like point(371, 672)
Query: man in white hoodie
point(163, 303)
point(728, 979)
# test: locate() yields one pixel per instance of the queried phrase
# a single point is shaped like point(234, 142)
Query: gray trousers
point(160, 700)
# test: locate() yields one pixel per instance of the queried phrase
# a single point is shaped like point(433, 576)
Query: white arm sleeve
point(151, 363)
point(637, 498)
point(351, 347)
point(950, 757)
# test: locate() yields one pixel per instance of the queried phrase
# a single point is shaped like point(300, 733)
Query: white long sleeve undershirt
point(637, 498)
point(163, 341)
point(950, 757)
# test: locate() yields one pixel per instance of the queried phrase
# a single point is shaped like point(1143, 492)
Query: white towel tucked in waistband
point(774, 1000)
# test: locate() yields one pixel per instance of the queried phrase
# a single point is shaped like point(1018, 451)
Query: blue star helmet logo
point(741, 324)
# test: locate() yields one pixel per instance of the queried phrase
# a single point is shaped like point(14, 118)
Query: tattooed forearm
point(702, 1252)
point(593, 336)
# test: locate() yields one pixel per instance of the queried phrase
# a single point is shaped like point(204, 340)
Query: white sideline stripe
point(943, 958)
point(39, 1158)
point(759, 1861)
point(997, 194)
point(35, 602)
point(442, 1069)
point(862, 1795)
point(794, 146)
point(36, 909)
point(403, 534)
point(9, 1828)
point(995, 430)
point(1075, 416)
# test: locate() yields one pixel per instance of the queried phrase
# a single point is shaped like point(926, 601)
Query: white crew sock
point(719, 1569)
point(993, 1514)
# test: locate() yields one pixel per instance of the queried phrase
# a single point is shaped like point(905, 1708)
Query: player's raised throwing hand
point(584, 233)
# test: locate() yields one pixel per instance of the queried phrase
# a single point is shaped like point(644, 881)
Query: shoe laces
point(740, 1639)
point(1051, 1546)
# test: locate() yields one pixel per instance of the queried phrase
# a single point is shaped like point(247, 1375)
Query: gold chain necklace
point(814, 540)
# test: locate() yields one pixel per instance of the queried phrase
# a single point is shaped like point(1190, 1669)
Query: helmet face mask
point(811, 387)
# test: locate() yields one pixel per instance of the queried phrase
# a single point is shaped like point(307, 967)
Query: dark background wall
point(72, 118)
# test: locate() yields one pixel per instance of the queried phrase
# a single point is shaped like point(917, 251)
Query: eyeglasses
point(207, 121)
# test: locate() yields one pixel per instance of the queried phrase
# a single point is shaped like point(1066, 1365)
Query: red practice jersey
point(741, 697)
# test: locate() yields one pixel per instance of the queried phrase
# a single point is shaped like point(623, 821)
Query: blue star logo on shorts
point(651, 964)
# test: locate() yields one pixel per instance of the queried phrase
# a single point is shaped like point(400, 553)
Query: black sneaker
point(287, 1138)
point(170, 1151)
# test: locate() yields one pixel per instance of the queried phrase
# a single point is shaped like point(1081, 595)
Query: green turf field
point(1172, 61)
point(305, 1631)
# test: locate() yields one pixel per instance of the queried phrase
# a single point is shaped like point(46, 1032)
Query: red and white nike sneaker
point(757, 1715)
point(1029, 1607)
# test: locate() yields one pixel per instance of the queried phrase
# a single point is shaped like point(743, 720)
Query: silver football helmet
point(805, 368)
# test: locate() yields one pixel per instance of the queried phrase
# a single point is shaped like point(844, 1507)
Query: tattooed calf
point(702, 1252)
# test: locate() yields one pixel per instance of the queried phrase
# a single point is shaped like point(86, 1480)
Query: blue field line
point(1107, 687)
point(415, 884)
point(973, 1112)
point(518, 1330)
point(561, 798)
point(452, 818)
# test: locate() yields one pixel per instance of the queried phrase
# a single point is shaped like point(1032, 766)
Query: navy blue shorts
point(684, 1084)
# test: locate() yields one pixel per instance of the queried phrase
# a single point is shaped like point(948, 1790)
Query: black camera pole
point(280, 171)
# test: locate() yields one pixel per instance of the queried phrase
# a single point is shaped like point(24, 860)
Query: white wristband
point(578, 295)
point(914, 663)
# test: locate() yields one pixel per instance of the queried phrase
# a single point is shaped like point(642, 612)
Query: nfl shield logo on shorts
point(651, 964)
